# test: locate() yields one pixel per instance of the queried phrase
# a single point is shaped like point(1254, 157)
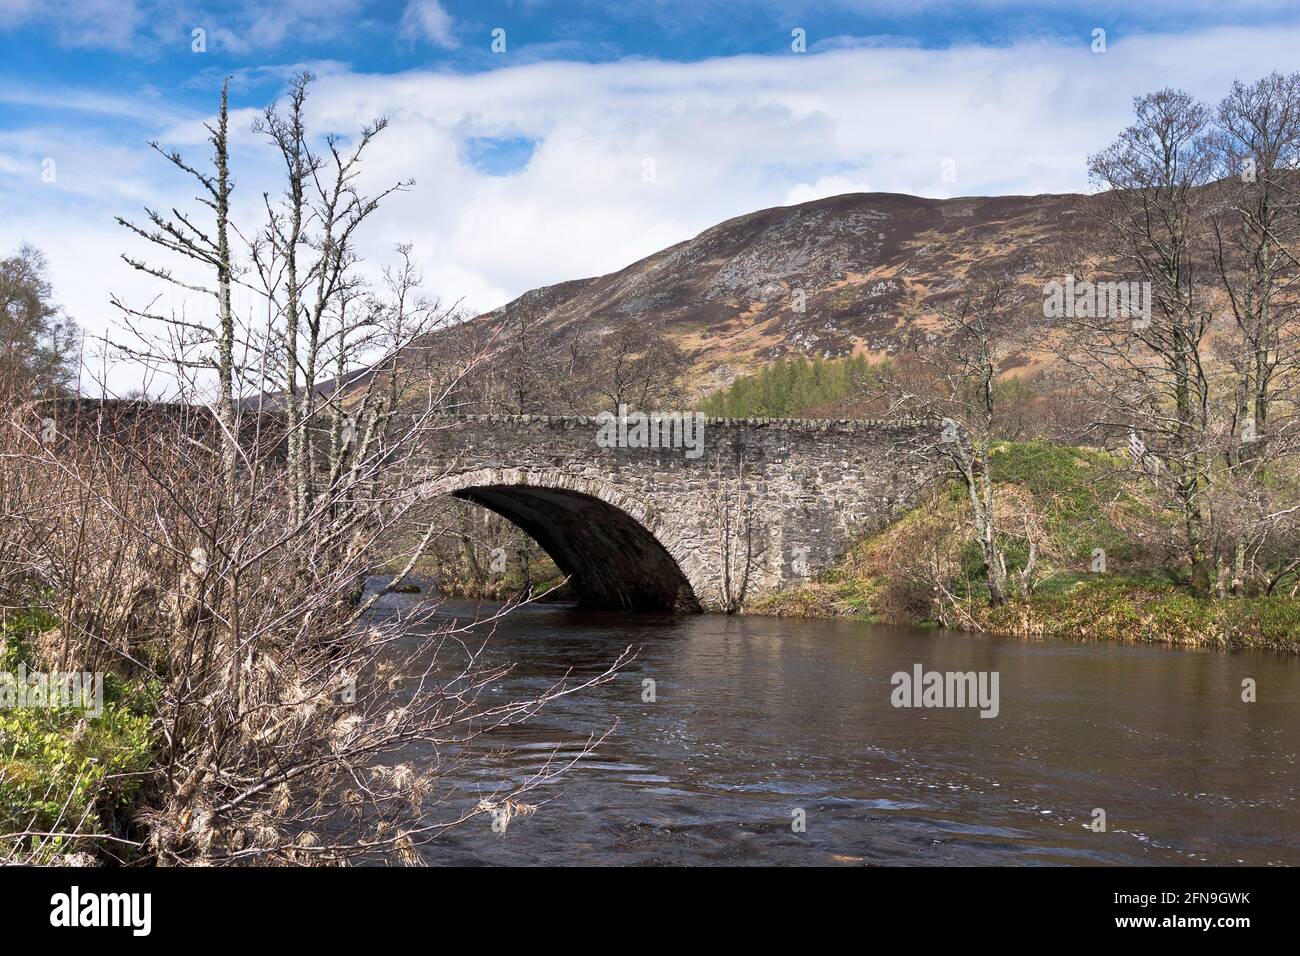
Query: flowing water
point(758, 724)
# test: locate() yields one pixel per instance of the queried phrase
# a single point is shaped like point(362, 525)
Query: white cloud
point(726, 136)
point(427, 20)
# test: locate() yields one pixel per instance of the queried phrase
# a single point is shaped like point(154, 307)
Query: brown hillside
point(863, 260)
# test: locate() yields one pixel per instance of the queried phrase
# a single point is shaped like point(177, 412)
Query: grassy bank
point(1092, 607)
point(1148, 611)
point(1077, 508)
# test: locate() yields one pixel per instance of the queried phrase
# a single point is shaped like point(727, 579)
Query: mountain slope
point(865, 262)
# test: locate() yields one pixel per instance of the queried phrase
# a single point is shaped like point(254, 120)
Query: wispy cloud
point(62, 99)
point(144, 27)
point(428, 20)
point(13, 12)
point(245, 26)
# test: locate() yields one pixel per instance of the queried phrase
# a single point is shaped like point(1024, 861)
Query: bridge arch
point(616, 549)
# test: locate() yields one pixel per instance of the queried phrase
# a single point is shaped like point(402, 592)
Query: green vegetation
point(1117, 608)
point(62, 769)
point(38, 342)
point(790, 388)
point(1079, 494)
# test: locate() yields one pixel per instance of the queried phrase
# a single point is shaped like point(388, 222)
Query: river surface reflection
point(755, 719)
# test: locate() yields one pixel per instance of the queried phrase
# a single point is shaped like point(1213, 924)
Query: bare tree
point(582, 367)
point(728, 497)
point(643, 370)
point(1151, 369)
point(1256, 236)
point(321, 212)
point(520, 373)
point(953, 378)
point(195, 345)
point(1199, 207)
point(288, 704)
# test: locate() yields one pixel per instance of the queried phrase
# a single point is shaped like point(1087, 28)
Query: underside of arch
point(612, 559)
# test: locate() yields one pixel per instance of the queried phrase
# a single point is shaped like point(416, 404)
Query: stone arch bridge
point(752, 505)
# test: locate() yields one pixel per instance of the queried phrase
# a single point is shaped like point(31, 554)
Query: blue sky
point(602, 133)
point(142, 43)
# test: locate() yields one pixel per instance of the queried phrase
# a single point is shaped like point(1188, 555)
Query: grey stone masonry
point(763, 503)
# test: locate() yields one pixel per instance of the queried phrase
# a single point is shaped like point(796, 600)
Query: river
point(760, 724)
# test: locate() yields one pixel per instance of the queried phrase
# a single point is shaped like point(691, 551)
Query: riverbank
point(1095, 609)
point(1103, 571)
